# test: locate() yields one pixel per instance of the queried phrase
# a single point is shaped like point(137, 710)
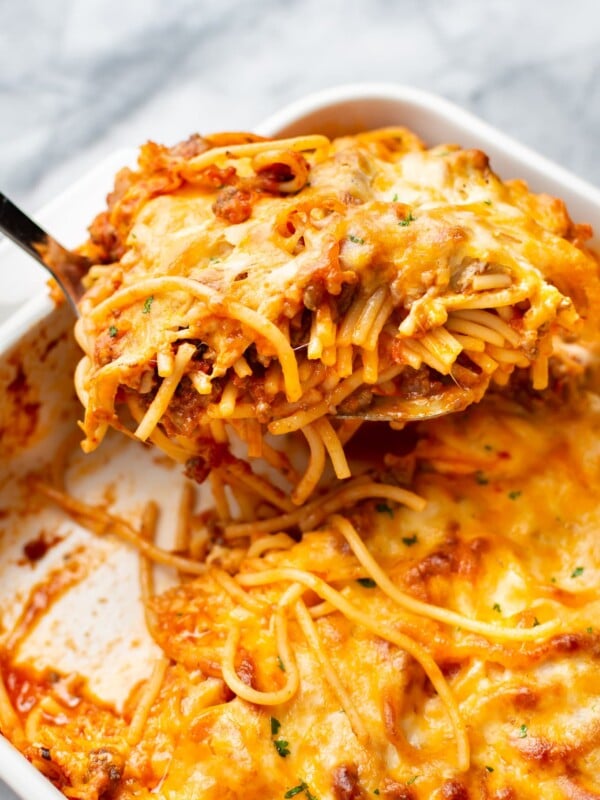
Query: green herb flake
point(113, 331)
point(515, 494)
point(523, 732)
point(410, 540)
point(481, 478)
point(375, 791)
point(395, 198)
point(275, 726)
point(356, 239)
point(489, 769)
point(589, 630)
point(148, 304)
point(496, 607)
point(282, 747)
point(536, 622)
point(214, 260)
point(280, 664)
point(577, 572)
point(383, 508)
point(407, 220)
point(296, 790)
point(552, 580)
point(368, 583)
point(488, 202)
point(488, 447)
point(410, 781)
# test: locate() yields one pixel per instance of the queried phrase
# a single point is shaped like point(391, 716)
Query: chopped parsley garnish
point(410, 540)
point(356, 239)
point(523, 732)
point(302, 787)
point(395, 198)
point(280, 664)
point(589, 630)
point(488, 202)
point(148, 304)
point(368, 583)
point(480, 478)
point(113, 331)
point(282, 747)
point(411, 780)
point(375, 791)
point(515, 494)
point(577, 572)
point(496, 607)
point(383, 508)
point(296, 790)
point(407, 220)
point(489, 769)
point(214, 260)
point(536, 622)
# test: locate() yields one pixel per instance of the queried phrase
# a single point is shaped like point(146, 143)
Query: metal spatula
point(66, 267)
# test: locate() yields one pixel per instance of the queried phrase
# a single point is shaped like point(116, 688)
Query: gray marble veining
point(81, 78)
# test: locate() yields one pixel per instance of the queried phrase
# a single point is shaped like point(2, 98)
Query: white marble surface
point(81, 78)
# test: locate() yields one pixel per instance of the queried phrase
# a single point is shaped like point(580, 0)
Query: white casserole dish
point(97, 628)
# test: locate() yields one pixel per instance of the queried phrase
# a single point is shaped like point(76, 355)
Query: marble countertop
point(82, 78)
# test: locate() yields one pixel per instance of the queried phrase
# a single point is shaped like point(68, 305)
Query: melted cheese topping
point(508, 537)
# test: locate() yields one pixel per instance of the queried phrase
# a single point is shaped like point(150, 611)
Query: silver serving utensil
point(66, 267)
point(402, 410)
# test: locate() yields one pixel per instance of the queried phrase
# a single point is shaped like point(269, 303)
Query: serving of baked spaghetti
point(415, 619)
point(257, 286)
